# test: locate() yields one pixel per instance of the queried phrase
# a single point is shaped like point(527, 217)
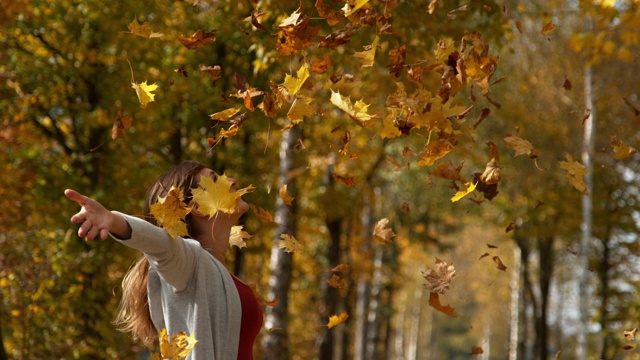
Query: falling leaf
point(484, 113)
point(144, 92)
point(337, 319)
point(476, 350)
point(261, 298)
point(178, 348)
point(199, 39)
point(224, 114)
point(432, 6)
point(122, 123)
point(214, 72)
point(368, 56)
point(433, 151)
point(170, 212)
point(295, 33)
point(469, 187)
point(289, 244)
point(396, 59)
point(499, 263)
point(491, 174)
point(434, 302)
point(340, 268)
point(357, 111)
point(483, 256)
point(351, 6)
point(521, 146)
point(294, 84)
point(337, 282)
point(332, 16)
point(382, 232)
point(143, 30)
point(575, 173)
point(440, 278)
point(300, 109)
point(492, 246)
point(346, 180)
point(212, 197)
point(548, 28)
point(628, 347)
point(567, 84)
point(557, 357)
point(285, 195)
point(232, 131)
point(261, 213)
point(237, 236)
point(320, 66)
point(630, 334)
point(621, 150)
point(510, 227)
point(519, 26)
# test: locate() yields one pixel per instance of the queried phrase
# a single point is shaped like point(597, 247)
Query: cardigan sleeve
point(173, 259)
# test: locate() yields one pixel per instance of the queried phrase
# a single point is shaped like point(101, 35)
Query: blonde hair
point(133, 313)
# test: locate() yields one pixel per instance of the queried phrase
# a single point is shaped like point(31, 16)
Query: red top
point(251, 322)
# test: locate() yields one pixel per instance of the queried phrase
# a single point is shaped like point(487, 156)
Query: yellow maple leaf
point(212, 197)
point(170, 212)
point(337, 319)
point(434, 151)
point(294, 84)
point(366, 57)
point(469, 187)
point(144, 92)
point(224, 114)
point(357, 111)
point(300, 108)
point(575, 173)
point(237, 236)
point(232, 131)
point(143, 30)
point(382, 232)
point(289, 244)
point(285, 195)
point(621, 150)
point(178, 348)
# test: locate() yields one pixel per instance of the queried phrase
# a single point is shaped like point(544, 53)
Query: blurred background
point(543, 270)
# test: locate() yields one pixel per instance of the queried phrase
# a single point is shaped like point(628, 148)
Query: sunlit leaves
point(294, 84)
point(199, 39)
point(237, 236)
point(170, 212)
point(212, 197)
point(143, 29)
point(521, 146)
point(469, 188)
point(285, 196)
point(368, 55)
point(357, 111)
point(178, 348)
point(621, 150)
point(382, 232)
point(144, 92)
point(439, 279)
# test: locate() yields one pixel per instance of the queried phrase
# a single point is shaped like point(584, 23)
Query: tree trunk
point(515, 301)
point(275, 342)
point(363, 287)
point(604, 286)
point(587, 210)
point(374, 314)
point(545, 246)
point(3, 351)
point(330, 294)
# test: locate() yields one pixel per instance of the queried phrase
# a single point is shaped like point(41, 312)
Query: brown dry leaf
point(396, 59)
point(630, 334)
point(620, 149)
point(224, 115)
point(320, 66)
point(337, 282)
point(492, 246)
point(214, 72)
point(483, 256)
point(332, 16)
point(340, 268)
point(575, 174)
point(434, 302)
point(122, 123)
point(337, 319)
point(567, 84)
point(483, 115)
point(510, 227)
point(285, 195)
point(519, 26)
point(199, 39)
point(476, 350)
point(628, 347)
point(499, 263)
point(448, 171)
point(346, 180)
point(382, 232)
point(261, 213)
point(491, 174)
point(521, 146)
point(440, 278)
point(548, 28)
point(295, 33)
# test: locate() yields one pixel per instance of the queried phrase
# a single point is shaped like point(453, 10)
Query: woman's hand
point(96, 220)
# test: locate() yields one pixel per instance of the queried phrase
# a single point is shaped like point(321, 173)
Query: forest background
point(416, 138)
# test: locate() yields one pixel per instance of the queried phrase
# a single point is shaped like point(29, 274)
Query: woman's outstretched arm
point(96, 220)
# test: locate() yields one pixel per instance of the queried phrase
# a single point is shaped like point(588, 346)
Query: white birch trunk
point(515, 305)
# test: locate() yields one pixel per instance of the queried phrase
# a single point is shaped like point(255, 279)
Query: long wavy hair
point(133, 312)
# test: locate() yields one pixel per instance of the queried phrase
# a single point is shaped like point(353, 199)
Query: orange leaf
point(434, 302)
point(575, 173)
point(346, 180)
point(499, 263)
point(121, 124)
point(621, 150)
point(285, 195)
point(476, 350)
point(262, 213)
point(336, 282)
point(340, 268)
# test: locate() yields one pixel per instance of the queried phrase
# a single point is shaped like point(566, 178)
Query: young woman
point(179, 284)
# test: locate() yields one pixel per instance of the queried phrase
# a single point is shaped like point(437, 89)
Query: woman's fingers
point(75, 196)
